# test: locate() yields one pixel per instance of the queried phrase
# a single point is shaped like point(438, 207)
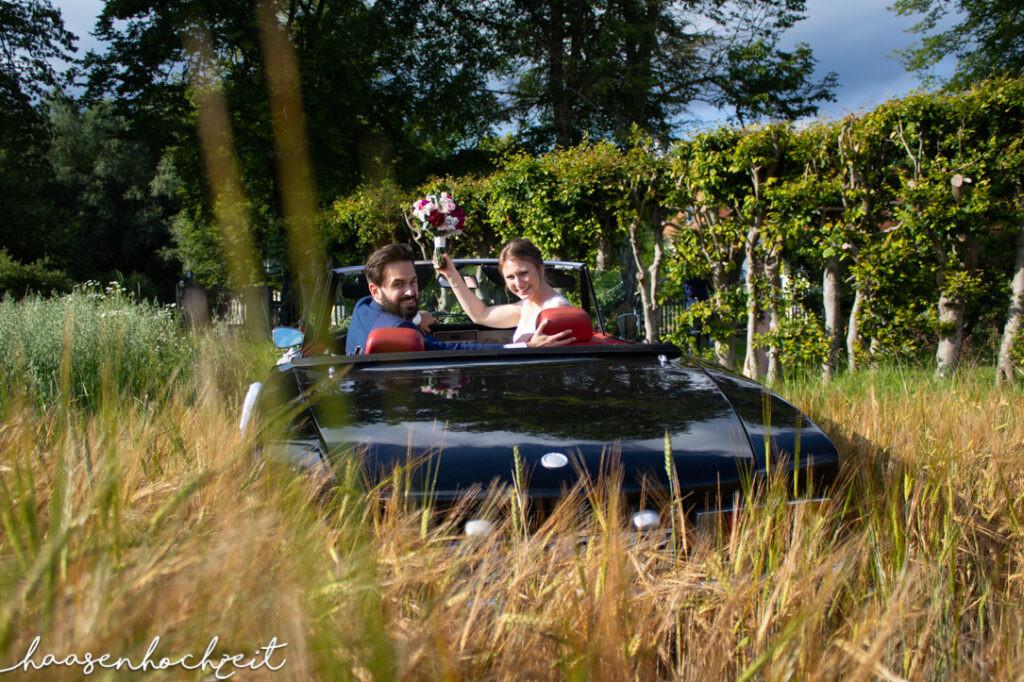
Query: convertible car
point(538, 418)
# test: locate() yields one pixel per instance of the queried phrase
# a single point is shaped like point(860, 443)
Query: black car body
point(472, 417)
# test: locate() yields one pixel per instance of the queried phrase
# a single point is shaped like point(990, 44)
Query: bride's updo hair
point(520, 249)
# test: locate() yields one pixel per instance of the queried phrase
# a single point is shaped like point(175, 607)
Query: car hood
point(470, 422)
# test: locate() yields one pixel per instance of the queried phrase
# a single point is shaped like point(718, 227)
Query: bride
point(522, 267)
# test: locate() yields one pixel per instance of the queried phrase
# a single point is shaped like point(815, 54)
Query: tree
point(759, 81)
point(390, 89)
point(380, 213)
point(1001, 146)
point(89, 200)
point(808, 207)
point(564, 201)
point(708, 237)
point(642, 212)
point(113, 196)
point(32, 37)
point(939, 139)
point(867, 186)
point(761, 154)
point(987, 38)
point(601, 66)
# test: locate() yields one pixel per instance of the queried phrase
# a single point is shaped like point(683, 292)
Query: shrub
point(18, 278)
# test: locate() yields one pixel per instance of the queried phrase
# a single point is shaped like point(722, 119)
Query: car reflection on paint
point(559, 414)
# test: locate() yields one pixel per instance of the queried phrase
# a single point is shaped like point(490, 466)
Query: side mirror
point(286, 337)
point(628, 326)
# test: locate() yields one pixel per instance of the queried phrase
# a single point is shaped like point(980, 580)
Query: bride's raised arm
point(500, 316)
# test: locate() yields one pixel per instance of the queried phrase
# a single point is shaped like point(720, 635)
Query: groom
point(393, 299)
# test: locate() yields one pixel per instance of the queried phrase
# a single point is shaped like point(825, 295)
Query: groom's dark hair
point(383, 257)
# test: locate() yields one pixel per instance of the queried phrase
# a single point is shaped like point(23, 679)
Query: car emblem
point(646, 519)
point(554, 460)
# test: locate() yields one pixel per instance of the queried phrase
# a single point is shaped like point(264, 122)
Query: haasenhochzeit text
point(88, 662)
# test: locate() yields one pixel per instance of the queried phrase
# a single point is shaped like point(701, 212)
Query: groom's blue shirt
point(369, 315)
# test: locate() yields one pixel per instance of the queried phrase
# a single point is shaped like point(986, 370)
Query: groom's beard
point(404, 307)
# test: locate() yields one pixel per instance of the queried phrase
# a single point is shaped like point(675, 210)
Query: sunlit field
point(135, 525)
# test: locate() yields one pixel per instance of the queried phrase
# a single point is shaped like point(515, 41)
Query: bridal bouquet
point(439, 217)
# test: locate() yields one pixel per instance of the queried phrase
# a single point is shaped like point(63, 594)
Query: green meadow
point(134, 521)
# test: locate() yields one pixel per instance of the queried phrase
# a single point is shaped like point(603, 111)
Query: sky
point(854, 38)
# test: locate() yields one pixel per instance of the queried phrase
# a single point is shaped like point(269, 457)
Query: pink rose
point(446, 203)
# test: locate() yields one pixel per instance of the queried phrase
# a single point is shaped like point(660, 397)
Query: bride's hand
point(539, 338)
point(447, 268)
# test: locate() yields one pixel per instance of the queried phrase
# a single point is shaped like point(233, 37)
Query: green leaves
point(565, 201)
point(985, 38)
point(33, 37)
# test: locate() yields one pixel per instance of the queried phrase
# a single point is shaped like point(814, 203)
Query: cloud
point(855, 39)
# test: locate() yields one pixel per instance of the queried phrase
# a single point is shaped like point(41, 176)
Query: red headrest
point(393, 340)
point(574, 319)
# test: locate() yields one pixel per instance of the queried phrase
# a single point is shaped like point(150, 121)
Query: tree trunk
point(628, 274)
point(852, 330)
point(1005, 369)
point(772, 268)
point(725, 352)
point(561, 100)
point(874, 350)
point(725, 349)
point(830, 295)
point(376, 150)
point(951, 320)
point(604, 253)
point(647, 281)
point(654, 271)
point(951, 310)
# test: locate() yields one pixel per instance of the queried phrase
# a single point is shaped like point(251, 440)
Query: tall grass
point(140, 518)
point(66, 347)
point(100, 341)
